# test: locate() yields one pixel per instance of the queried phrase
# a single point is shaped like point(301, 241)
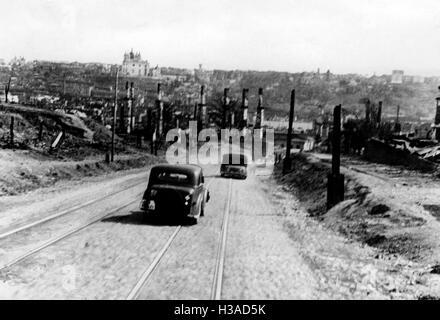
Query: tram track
point(64, 212)
point(65, 235)
point(219, 263)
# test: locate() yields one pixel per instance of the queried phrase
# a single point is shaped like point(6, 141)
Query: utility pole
point(115, 107)
point(437, 119)
point(225, 107)
point(122, 128)
point(150, 128)
point(196, 107)
point(128, 99)
point(244, 106)
point(159, 104)
point(40, 129)
point(159, 126)
point(335, 184)
point(203, 106)
point(397, 125)
point(287, 165)
point(260, 110)
point(7, 87)
point(131, 106)
point(367, 110)
point(11, 130)
point(379, 113)
point(64, 84)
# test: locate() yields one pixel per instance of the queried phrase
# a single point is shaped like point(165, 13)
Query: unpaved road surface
point(272, 249)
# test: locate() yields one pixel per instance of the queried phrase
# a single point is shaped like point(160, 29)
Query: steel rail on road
point(64, 212)
point(63, 236)
point(216, 291)
point(134, 293)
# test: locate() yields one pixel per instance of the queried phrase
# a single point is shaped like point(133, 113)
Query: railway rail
point(140, 284)
point(220, 260)
point(64, 212)
point(63, 236)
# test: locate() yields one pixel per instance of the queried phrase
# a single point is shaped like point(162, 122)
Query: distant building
point(134, 66)
point(397, 77)
point(298, 126)
point(17, 62)
point(203, 75)
point(418, 79)
point(155, 72)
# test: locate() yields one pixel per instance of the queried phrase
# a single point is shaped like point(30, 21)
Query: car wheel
point(202, 210)
point(145, 217)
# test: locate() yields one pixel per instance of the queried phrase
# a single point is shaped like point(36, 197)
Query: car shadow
point(137, 218)
point(213, 176)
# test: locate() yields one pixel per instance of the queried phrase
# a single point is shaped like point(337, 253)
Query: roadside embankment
point(26, 170)
point(377, 212)
point(396, 215)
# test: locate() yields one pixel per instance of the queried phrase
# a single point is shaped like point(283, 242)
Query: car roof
point(227, 158)
point(190, 169)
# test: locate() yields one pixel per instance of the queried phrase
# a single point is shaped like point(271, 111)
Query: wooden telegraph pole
point(115, 107)
point(287, 164)
point(245, 106)
point(11, 130)
point(196, 107)
point(159, 109)
point(159, 128)
point(397, 125)
point(7, 88)
point(203, 107)
point(437, 119)
point(260, 110)
point(335, 184)
point(131, 106)
point(122, 127)
point(379, 113)
point(225, 107)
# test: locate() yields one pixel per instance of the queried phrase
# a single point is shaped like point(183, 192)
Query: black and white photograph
point(194, 151)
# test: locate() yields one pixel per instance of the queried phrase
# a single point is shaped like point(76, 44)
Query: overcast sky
point(345, 36)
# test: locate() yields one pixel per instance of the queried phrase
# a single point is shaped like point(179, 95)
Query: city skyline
point(342, 36)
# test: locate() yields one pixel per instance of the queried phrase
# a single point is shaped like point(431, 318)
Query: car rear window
point(234, 159)
point(174, 177)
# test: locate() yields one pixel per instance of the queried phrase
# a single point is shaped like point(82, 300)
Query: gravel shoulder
point(23, 171)
point(384, 211)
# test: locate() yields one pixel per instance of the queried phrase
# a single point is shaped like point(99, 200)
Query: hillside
point(75, 84)
point(312, 90)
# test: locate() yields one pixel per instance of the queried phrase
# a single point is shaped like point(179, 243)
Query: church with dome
point(134, 66)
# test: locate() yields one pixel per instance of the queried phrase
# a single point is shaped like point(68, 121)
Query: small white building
point(397, 77)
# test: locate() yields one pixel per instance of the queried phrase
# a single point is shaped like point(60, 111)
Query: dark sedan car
point(175, 191)
point(234, 165)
